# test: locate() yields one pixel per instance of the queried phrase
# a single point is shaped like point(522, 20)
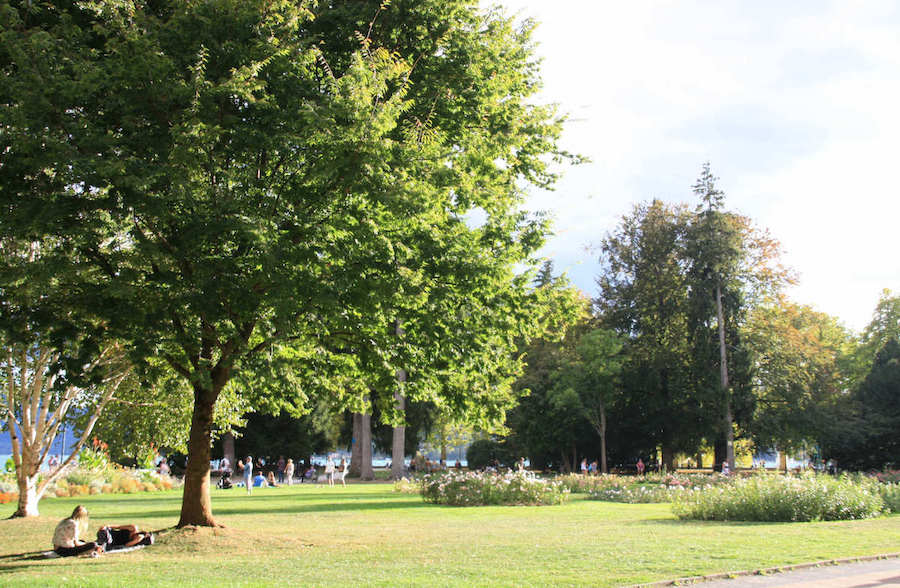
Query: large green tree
point(262, 190)
point(643, 295)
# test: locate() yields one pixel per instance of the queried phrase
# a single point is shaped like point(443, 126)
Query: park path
point(875, 573)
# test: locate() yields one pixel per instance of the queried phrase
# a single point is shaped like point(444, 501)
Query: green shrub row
point(783, 498)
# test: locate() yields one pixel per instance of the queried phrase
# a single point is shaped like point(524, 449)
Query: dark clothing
point(120, 536)
point(77, 550)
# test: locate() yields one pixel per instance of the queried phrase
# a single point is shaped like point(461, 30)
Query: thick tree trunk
point(719, 454)
point(728, 421)
point(668, 458)
point(603, 440)
point(565, 462)
point(365, 447)
point(196, 506)
point(27, 481)
point(699, 460)
point(355, 445)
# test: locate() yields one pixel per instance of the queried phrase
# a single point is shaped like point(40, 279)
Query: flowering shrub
point(783, 498)
point(642, 493)
point(8, 497)
point(407, 486)
point(890, 493)
point(481, 488)
point(888, 476)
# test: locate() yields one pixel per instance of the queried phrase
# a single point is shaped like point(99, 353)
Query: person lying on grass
point(67, 539)
point(117, 536)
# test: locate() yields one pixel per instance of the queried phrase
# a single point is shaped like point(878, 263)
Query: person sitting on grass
point(67, 539)
point(270, 479)
point(259, 481)
point(310, 474)
point(113, 536)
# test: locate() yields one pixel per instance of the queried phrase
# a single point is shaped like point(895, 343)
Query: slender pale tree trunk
point(355, 446)
point(398, 441)
point(728, 422)
point(228, 449)
point(603, 468)
point(365, 447)
point(35, 413)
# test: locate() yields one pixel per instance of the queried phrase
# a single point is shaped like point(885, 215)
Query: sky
point(796, 105)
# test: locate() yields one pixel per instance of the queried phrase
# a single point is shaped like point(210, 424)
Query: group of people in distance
point(286, 471)
point(68, 537)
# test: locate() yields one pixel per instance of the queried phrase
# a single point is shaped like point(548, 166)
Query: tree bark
point(603, 440)
point(196, 506)
point(668, 458)
point(728, 421)
point(355, 445)
point(228, 449)
point(565, 462)
point(27, 482)
point(398, 441)
point(365, 447)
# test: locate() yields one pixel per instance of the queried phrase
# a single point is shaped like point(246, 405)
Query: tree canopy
point(258, 191)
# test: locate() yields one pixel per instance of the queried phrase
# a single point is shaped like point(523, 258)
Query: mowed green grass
point(365, 534)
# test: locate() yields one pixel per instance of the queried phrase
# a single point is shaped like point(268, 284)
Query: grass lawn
point(365, 534)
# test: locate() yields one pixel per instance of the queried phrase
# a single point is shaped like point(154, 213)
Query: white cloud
point(795, 105)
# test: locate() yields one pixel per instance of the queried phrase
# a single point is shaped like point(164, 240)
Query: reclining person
point(113, 536)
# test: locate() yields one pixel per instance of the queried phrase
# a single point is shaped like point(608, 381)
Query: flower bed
point(783, 498)
point(890, 493)
point(642, 493)
point(480, 488)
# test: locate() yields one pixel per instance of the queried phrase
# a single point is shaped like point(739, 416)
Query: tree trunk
point(398, 442)
point(443, 444)
point(603, 440)
point(228, 449)
point(719, 454)
point(699, 460)
point(196, 506)
point(27, 481)
point(365, 447)
point(575, 459)
point(728, 423)
point(565, 462)
point(355, 445)
point(668, 458)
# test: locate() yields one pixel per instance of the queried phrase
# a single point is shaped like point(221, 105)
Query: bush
point(782, 498)
point(888, 476)
point(407, 486)
point(81, 477)
point(641, 494)
point(890, 493)
point(481, 488)
point(8, 497)
point(576, 483)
